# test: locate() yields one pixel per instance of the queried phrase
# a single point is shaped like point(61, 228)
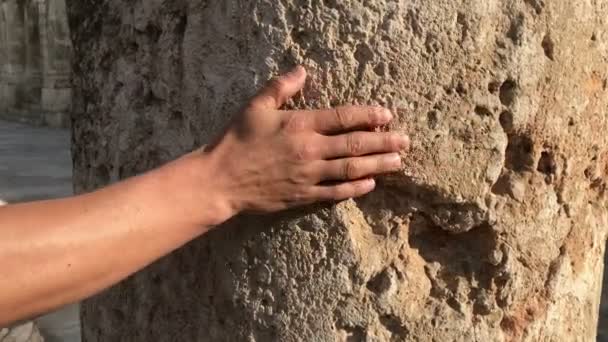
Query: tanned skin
point(57, 252)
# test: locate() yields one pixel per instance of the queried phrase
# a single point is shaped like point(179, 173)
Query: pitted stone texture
point(494, 231)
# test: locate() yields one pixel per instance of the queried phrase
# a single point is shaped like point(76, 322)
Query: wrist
point(192, 189)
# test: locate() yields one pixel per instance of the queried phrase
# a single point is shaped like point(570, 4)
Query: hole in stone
point(433, 45)
point(355, 334)
point(589, 173)
point(494, 87)
point(506, 121)
point(547, 164)
point(519, 153)
point(153, 32)
point(483, 111)
point(176, 121)
point(515, 32)
point(363, 54)
point(461, 18)
point(156, 279)
point(300, 37)
point(593, 37)
point(549, 47)
point(433, 117)
point(380, 70)
point(454, 304)
point(502, 186)
point(394, 325)
point(537, 5)
point(507, 92)
point(380, 283)
point(461, 88)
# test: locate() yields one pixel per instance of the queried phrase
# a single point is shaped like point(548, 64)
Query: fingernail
point(404, 142)
point(371, 183)
point(387, 115)
point(394, 160)
point(297, 71)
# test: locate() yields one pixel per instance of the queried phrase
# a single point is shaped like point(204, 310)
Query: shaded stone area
point(35, 54)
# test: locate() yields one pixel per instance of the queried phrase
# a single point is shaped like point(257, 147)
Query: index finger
point(349, 118)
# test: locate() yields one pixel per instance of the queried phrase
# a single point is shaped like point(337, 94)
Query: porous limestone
point(494, 231)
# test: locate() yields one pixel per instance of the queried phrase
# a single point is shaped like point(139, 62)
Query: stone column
point(494, 231)
point(33, 61)
point(3, 58)
point(13, 71)
point(56, 56)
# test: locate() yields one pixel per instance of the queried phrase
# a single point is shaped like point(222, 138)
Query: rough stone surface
point(494, 231)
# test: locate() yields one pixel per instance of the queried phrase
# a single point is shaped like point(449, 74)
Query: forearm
point(57, 252)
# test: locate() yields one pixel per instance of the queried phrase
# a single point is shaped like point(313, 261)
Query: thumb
point(280, 89)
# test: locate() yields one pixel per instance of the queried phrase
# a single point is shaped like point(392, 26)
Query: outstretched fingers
point(344, 191)
point(349, 118)
point(350, 169)
point(363, 143)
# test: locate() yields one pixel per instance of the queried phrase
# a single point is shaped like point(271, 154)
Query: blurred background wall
point(35, 58)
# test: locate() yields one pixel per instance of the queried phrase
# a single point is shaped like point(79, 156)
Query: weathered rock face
point(495, 230)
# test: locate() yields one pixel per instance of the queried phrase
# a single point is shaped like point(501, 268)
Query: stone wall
point(35, 57)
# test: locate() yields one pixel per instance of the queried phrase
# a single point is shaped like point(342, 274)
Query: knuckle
point(383, 164)
point(277, 83)
point(298, 195)
point(343, 116)
point(354, 144)
point(304, 176)
point(295, 123)
point(374, 115)
point(305, 152)
point(336, 193)
point(391, 142)
point(351, 169)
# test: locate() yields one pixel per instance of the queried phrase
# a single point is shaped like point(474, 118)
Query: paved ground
point(35, 163)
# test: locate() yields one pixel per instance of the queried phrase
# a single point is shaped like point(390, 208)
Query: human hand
point(270, 160)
